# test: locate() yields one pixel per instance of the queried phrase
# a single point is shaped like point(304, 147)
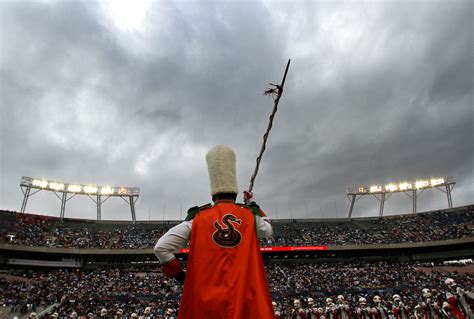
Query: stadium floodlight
point(56, 186)
point(375, 189)
point(129, 194)
point(122, 191)
point(412, 189)
point(106, 190)
point(74, 188)
point(40, 183)
point(391, 187)
point(421, 184)
point(437, 181)
point(362, 189)
point(90, 189)
point(404, 186)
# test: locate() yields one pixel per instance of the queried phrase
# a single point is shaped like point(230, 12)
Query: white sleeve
point(172, 240)
point(264, 228)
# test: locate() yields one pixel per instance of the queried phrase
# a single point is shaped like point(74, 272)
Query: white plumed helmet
point(221, 167)
point(450, 282)
point(426, 292)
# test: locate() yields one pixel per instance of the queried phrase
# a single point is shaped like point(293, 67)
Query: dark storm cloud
point(404, 117)
point(377, 92)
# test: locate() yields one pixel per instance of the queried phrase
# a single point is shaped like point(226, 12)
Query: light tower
point(411, 189)
point(66, 191)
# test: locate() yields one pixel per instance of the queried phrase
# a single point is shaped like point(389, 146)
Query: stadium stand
point(99, 269)
point(133, 288)
point(35, 230)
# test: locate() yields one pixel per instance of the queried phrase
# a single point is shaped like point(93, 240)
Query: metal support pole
point(352, 205)
point(26, 194)
point(414, 196)
point(99, 207)
point(63, 205)
point(448, 194)
point(382, 202)
point(132, 208)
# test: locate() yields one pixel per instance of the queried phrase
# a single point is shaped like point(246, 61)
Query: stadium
point(58, 266)
point(129, 123)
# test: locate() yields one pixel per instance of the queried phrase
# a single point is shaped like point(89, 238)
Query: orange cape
point(225, 275)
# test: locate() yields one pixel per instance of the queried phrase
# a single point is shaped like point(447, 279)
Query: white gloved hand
point(248, 197)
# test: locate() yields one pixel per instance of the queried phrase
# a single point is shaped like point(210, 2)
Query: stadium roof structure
point(411, 189)
point(66, 191)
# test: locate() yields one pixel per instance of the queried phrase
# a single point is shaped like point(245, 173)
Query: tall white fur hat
point(221, 167)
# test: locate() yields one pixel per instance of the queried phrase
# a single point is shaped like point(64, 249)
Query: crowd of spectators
point(410, 228)
point(34, 230)
point(133, 289)
point(48, 286)
point(42, 231)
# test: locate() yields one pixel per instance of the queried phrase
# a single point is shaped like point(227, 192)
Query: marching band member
point(427, 309)
point(343, 310)
point(379, 311)
point(297, 312)
point(400, 311)
point(225, 275)
point(363, 311)
point(461, 303)
point(331, 309)
point(312, 311)
point(320, 313)
point(446, 312)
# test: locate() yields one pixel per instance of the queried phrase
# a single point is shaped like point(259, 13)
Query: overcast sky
point(135, 92)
